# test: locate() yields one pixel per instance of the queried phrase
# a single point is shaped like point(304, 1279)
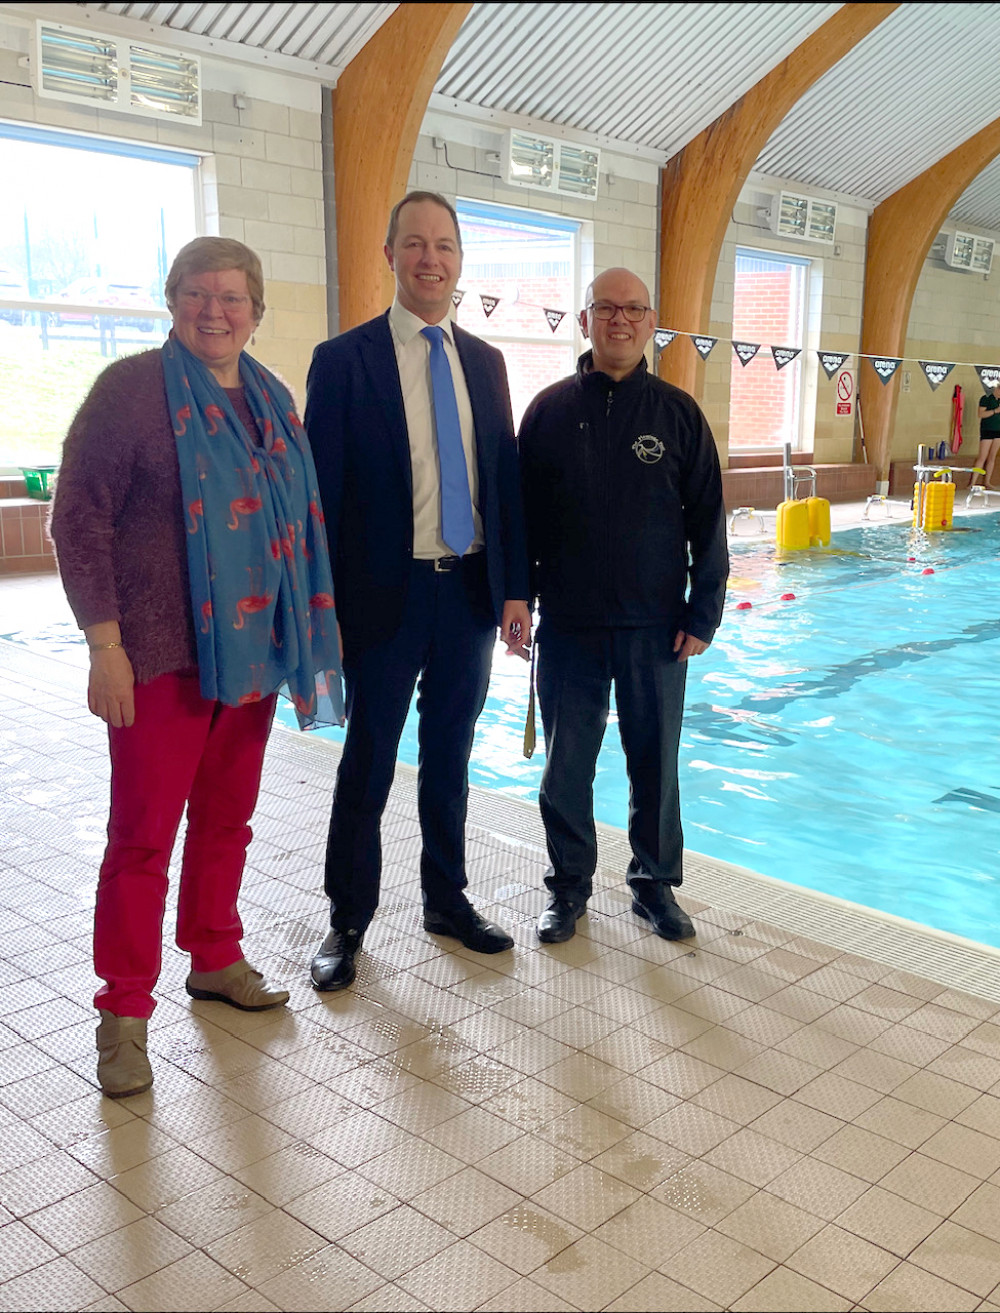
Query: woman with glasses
point(191, 546)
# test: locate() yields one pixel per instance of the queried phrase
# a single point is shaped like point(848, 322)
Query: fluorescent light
point(556, 166)
point(966, 251)
point(163, 82)
point(579, 169)
point(88, 69)
point(74, 63)
point(800, 217)
point(531, 160)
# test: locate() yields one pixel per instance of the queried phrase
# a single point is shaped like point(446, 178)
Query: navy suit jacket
point(357, 429)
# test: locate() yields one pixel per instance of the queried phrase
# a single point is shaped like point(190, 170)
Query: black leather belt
point(447, 564)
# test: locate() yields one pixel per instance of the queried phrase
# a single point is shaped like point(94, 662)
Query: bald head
point(595, 292)
point(618, 320)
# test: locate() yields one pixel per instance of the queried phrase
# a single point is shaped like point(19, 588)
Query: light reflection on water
point(842, 741)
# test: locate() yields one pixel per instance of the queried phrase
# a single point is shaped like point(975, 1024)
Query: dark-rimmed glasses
point(633, 312)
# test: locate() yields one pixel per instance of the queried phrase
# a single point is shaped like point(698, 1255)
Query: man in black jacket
point(626, 536)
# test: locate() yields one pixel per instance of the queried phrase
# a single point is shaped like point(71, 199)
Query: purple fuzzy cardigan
point(117, 518)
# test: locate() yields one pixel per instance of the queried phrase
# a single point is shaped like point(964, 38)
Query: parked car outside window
point(12, 289)
point(116, 296)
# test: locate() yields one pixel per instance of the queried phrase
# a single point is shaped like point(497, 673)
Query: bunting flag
point(885, 366)
point(703, 345)
point(784, 355)
point(745, 351)
point(832, 361)
point(935, 372)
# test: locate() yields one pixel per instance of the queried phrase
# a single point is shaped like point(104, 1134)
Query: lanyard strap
point(529, 724)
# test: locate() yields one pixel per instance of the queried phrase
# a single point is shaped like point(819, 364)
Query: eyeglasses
point(197, 298)
point(606, 310)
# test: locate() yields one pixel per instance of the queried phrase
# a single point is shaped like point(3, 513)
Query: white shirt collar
point(406, 325)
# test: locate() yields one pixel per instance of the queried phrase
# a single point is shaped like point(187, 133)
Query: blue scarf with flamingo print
point(258, 561)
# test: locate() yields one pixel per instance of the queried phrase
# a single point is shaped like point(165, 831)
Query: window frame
point(804, 399)
point(538, 219)
point(107, 316)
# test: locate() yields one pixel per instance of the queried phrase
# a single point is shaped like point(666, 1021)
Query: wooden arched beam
point(378, 107)
point(701, 183)
point(901, 231)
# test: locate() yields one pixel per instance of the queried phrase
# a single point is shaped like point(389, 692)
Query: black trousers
point(575, 673)
point(445, 639)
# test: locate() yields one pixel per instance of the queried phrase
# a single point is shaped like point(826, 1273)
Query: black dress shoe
point(333, 966)
point(663, 913)
point(558, 922)
point(465, 924)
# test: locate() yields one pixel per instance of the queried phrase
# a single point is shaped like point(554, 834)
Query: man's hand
point(515, 629)
point(110, 692)
point(686, 645)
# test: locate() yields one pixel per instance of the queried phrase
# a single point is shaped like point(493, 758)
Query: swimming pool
point(843, 741)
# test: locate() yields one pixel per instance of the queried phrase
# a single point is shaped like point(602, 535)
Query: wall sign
point(845, 391)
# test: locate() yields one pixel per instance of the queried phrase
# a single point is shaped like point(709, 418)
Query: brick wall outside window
point(762, 397)
point(532, 365)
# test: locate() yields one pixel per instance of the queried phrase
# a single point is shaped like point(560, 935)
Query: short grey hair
point(213, 255)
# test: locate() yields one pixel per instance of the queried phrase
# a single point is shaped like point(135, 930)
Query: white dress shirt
point(413, 353)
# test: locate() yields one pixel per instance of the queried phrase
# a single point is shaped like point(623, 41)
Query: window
point(769, 307)
point(87, 231)
point(529, 261)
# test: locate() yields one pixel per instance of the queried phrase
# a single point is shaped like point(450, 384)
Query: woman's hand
point(109, 694)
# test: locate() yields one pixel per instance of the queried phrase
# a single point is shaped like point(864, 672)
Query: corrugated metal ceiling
point(322, 34)
point(980, 204)
point(909, 93)
point(652, 76)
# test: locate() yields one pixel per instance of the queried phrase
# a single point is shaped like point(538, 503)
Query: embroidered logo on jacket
point(648, 449)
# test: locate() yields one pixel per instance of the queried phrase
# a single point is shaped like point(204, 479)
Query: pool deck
point(799, 1110)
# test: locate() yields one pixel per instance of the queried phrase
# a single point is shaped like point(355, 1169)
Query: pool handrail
point(796, 475)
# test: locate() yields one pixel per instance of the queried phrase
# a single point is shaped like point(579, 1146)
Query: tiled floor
point(760, 1120)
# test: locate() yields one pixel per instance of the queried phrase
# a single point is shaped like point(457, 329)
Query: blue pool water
point(845, 741)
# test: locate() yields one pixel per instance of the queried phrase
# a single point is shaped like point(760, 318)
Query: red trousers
point(181, 749)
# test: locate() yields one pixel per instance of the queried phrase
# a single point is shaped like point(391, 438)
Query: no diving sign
point(845, 391)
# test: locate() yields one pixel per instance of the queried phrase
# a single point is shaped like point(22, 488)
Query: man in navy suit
point(384, 412)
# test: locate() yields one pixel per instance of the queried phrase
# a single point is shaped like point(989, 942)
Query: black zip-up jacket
point(623, 496)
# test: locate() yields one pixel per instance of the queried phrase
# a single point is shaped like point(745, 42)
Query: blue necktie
point(457, 528)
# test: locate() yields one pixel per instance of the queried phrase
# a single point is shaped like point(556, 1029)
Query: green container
point(37, 479)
